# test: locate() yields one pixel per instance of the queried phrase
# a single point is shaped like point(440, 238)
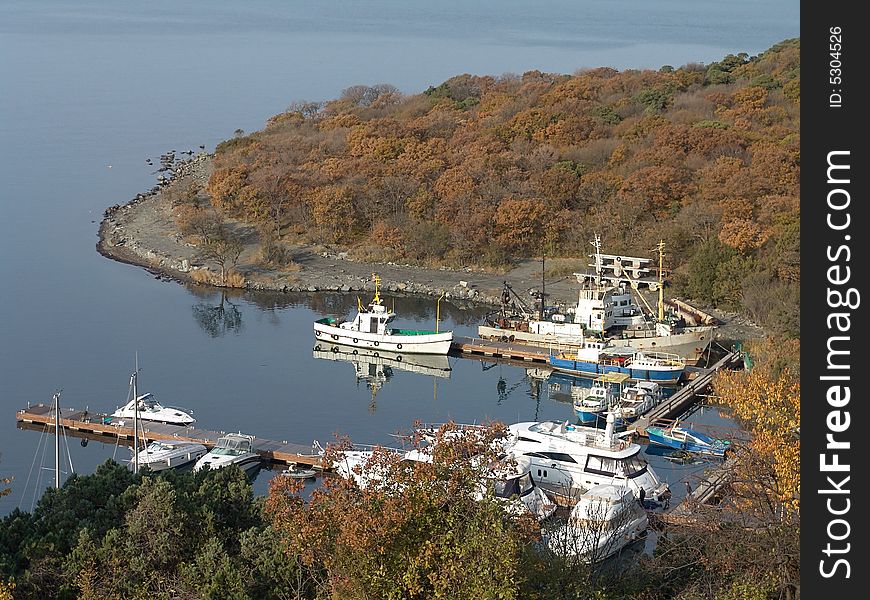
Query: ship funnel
point(608, 429)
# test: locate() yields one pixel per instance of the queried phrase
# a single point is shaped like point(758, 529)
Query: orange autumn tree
point(766, 399)
point(414, 529)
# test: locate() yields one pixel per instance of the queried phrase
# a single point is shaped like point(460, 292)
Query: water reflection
point(218, 319)
point(376, 368)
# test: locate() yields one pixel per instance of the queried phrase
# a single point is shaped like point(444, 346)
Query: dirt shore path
point(143, 232)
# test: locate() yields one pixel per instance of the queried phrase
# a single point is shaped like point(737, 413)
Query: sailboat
point(370, 330)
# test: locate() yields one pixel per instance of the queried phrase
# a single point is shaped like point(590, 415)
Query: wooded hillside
point(485, 170)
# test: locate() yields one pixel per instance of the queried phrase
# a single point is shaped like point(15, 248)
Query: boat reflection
point(375, 368)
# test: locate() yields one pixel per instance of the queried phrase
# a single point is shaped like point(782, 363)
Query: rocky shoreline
point(143, 232)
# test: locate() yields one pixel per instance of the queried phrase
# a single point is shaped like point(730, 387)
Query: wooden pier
point(105, 428)
point(704, 493)
point(478, 347)
point(686, 396)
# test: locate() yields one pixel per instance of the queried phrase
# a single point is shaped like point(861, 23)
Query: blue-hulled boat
point(594, 359)
point(603, 396)
point(683, 438)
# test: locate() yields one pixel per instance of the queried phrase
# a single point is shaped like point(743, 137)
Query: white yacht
point(567, 460)
point(151, 410)
point(510, 484)
point(231, 449)
point(606, 519)
point(369, 330)
point(160, 455)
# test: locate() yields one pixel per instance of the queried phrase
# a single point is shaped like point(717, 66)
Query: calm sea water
point(89, 89)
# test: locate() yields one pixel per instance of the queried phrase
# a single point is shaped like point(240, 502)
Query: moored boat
point(149, 409)
point(370, 330)
point(595, 359)
point(606, 307)
point(566, 460)
point(160, 455)
point(638, 399)
point(684, 438)
point(231, 449)
point(604, 395)
point(605, 520)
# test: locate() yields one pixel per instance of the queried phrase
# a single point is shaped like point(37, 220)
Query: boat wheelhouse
point(370, 329)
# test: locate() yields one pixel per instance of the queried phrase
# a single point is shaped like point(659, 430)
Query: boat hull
point(664, 374)
point(427, 343)
point(689, 345)
point(164, 463)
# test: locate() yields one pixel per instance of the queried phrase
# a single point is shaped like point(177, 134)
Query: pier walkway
point(686, 396)
point(105, 428)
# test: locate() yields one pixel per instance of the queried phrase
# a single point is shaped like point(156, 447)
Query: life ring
point(377, 343)
point(355, 341)
point(622, 445)
point(399, 358)
point(398, 346)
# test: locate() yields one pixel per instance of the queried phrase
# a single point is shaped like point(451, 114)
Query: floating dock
point(105, 428)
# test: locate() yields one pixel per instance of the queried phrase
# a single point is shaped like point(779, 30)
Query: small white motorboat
point(231, 449)
point(151, 410)
point(294, 471)
point(160, 455)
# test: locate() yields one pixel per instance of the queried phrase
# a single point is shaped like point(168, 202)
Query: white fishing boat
point(607, 308)
point(160, 455)
point(605, 520)
point(567, 460)
point(231, 449)
point(369, 329)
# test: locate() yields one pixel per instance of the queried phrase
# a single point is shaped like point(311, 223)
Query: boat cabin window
point(558, 456)
point(232, 444)
point(516, 486)
point(631, 466)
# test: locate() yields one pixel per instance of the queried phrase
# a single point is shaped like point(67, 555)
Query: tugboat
point(369, 330)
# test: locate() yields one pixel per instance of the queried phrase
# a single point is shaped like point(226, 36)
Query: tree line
point(483, 171)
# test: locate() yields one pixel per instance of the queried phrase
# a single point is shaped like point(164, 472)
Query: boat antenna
point(377, 298)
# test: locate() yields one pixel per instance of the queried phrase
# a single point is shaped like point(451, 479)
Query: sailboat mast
point(134, 379)
point(57, 440)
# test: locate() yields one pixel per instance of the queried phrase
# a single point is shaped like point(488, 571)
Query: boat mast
point(57, 440)
point(661, 247)
point(134, 381)
point(377, 298)
point(598, 265)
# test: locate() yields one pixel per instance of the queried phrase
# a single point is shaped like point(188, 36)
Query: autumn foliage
point(488, 170)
